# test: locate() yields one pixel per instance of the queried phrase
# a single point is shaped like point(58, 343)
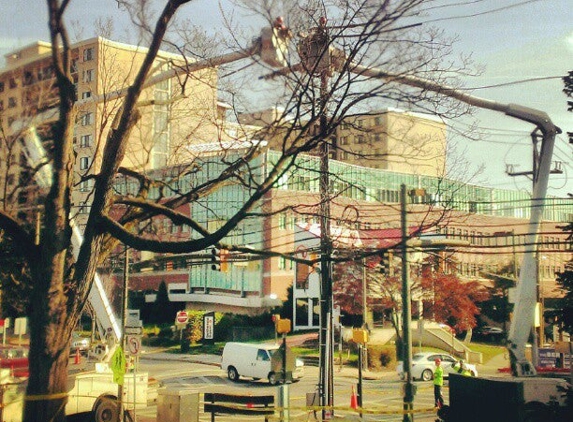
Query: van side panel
point(243, 357)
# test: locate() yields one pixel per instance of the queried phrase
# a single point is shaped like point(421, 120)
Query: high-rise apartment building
point(174, 112)
point(387, 139)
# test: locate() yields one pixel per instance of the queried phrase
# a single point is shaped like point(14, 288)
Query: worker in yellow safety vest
point(438, 384)
point(461, 368)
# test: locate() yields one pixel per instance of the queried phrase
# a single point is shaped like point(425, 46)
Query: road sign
point(133, 344)
point(182, 317)
point(209, 326)
point(133, 331)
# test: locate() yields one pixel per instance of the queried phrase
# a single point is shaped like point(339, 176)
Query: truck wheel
point(427, 375)
point(537, 412)
point(106, 409)
point(444, 413)
point(233, 374)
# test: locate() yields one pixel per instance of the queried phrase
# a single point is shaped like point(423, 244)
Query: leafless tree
point(322, 92)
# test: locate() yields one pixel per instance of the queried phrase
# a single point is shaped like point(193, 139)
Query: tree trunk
point(46, 394)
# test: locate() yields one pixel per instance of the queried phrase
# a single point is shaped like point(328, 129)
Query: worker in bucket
point(438, 384)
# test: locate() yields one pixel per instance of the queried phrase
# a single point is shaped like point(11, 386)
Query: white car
point(423, 366)
point(79, 343)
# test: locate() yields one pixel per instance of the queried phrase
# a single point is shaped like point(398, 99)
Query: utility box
point(177, 405)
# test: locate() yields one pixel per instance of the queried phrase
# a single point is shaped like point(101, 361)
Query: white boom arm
point(106, 321)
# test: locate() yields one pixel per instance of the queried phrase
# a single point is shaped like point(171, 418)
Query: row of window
point(362, 123)
point(12, 84)
point(12, 103)
point(506, 239)
point(359, 139)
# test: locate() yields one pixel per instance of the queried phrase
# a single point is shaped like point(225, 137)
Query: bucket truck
point(95, 390)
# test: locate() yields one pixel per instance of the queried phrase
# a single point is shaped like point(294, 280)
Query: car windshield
point(417, 357)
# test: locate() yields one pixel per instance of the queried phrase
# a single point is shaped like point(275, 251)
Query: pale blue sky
point(513, 39)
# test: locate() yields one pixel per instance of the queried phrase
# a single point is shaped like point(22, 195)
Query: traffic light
point(215, 259)
point(224, 260)
point(385, 262)
point(219, 259)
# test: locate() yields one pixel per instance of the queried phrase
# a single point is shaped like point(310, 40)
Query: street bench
point(238, 404)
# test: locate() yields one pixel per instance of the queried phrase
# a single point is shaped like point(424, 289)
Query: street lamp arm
point(530, 115)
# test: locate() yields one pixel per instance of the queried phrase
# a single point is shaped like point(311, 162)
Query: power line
point(486, 12)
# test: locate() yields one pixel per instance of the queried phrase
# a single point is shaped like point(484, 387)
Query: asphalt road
point(382, 396)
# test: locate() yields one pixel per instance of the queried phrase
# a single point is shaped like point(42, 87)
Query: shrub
point(381, 356)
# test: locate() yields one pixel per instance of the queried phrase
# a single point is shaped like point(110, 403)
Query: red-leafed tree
point(453, 301)
point(447, 298)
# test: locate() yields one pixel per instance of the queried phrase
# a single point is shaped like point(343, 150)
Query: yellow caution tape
point(40, 397)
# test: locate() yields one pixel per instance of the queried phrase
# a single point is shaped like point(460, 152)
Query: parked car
point(79, 343)
point(491, 334)
point(258, 361)
point(423, 366)
point(16, 360)
point(489, 331)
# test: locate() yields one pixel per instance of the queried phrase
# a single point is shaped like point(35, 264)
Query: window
point(282, 221)
point(87, 119)
point(263, 355)
point(85, 186)
point(28, 78)
point(86, 94)
point(88, 54)
point(84, 163)
point(12, 83)
point(83, 208)
point(1, 105)
point(12, 102)
point(1, 86)
point(88, 75)
point(86, 141)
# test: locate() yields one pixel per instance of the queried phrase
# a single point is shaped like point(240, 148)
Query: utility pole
point(326, 382)
point(406, 313)
point(364, 352)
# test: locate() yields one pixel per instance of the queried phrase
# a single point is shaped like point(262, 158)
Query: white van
point(258, 361)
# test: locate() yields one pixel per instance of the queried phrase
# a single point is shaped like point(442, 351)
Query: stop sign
point(182, 317)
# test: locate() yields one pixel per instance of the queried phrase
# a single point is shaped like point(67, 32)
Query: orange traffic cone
point(353, 399)
point(78, 358)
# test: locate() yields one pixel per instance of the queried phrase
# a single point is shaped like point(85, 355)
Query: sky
point(525, 46)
